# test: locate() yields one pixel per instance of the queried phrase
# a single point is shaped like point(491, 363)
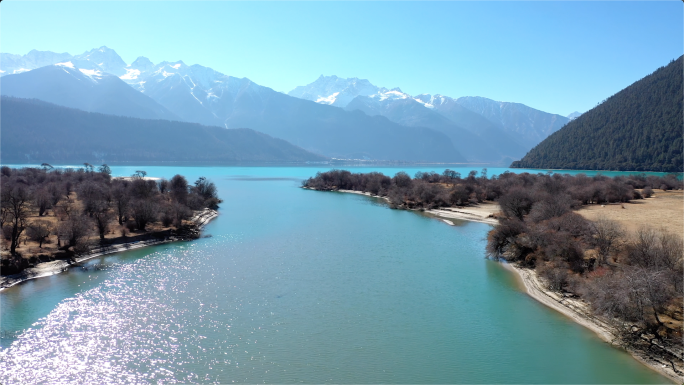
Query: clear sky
point(555, 56)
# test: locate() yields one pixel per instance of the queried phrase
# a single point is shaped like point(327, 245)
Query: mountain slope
point(479, 135)
point(87, 90)
point(477, 145)
point(502, 143)
point(200, 94)
point(37, 131)
point(639, 128)
point(528, 125)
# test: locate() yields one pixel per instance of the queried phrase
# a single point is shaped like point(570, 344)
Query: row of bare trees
point(88, 201)
point(429, 190)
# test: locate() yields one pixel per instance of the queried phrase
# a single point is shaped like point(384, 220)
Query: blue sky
point(555, 56)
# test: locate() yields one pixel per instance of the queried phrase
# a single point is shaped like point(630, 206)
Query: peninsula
point(53, 218)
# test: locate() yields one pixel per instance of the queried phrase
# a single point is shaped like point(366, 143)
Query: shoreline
point(578, 311)
point(575, 309)
point(46, 269)
point(445, 215)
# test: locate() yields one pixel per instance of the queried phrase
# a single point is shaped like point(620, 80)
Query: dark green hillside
point(639, 128)
point(36, 131)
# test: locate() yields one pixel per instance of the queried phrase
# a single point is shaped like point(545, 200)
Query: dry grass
point(665, 210)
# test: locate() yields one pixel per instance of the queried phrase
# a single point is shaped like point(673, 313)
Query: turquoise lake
point(299, 286)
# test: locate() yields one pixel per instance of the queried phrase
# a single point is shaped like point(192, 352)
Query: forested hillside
point(36, 131)
point(639, 128)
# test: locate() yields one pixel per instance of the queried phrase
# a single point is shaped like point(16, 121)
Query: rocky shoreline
point(186, 233)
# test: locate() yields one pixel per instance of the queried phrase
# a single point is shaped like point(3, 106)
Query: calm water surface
point(298, 286)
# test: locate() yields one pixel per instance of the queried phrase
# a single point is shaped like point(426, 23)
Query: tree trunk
point(655, 313)
point(15, 238)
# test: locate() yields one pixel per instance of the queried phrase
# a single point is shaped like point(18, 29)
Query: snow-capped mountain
point(90, 90)
point(15, 64)
point(335, 91)
point(473, 135)
point(98, 59)
point(103, 58)
point(199, 94)
point(516, 127)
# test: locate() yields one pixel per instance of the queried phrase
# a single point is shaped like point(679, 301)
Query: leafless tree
point(517, 203)
point(17, 198)
point(608, 238)
point(102, 216)
point(39, 230)
point(121, 199)
point(144, 212)
point(555, 274)
point(179, 188)
point(75, 231)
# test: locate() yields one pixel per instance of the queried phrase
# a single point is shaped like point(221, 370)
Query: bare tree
point(179, 188)
point(75, 231)
point(39, 230)
point(42, 201)
point(143, 212)
point(17, 198)
point(121, 199)
point(608, 238)
point(649, 288)
point(102, 216)
point(181, 212)
point(516, 203)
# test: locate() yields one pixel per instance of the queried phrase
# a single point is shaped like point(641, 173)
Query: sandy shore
point(46, 269)
point(483, 212)
point(579, 311)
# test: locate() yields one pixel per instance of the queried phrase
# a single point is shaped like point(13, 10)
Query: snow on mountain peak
point(66, 64)
point(131, 74)
point(90, 73)
point(333, 90)
point(327, 100)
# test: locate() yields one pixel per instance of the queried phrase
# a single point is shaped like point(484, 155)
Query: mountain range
point(37, 131)
point(482, 129)
point(334, 117)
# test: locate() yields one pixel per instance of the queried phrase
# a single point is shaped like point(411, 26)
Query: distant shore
point(483, 212)
point(45, 269)
point(573, 308)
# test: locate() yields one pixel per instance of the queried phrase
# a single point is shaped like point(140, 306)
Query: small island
point(623, 284)
point(53, 218)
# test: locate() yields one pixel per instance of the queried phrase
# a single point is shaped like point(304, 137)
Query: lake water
point(299, 286)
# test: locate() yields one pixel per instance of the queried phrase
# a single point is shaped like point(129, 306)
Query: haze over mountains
point(87, 90)
point(37, 131)
point(201, 95)
point(482, 129)
point(334, 117)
